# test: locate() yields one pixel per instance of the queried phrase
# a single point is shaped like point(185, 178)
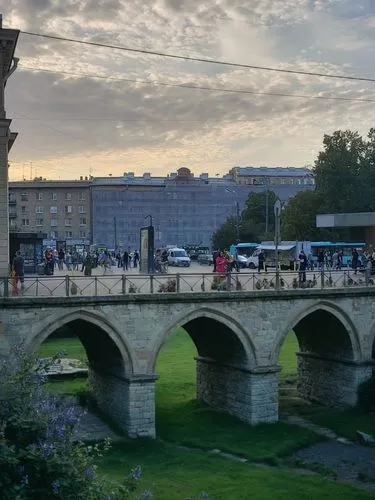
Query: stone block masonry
point(331, 381)
point(238, 340)
point(4, 216)
point(130, 403)
point(251, 397)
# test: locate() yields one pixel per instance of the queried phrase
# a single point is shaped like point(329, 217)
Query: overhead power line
point(197, 87)
point(198, 59)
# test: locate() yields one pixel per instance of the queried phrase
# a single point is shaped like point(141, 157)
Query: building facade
point(58, 209)
point(185, 209)
point(110, 211)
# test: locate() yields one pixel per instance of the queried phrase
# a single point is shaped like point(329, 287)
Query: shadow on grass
point(195, 424)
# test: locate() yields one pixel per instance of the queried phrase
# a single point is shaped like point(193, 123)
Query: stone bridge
point(238, 338)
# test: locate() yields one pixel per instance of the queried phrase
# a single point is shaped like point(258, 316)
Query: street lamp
point(277, 210)
point(237, 205)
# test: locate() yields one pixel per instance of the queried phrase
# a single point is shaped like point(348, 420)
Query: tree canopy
point(345, 182)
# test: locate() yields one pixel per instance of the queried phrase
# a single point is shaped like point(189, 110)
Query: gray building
point(59, 209)
point(185, 209)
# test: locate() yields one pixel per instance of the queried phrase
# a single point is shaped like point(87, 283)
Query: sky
point(73, 124)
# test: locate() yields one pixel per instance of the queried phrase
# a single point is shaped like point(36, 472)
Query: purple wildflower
point(56, 486)
point(146, 495)
point(136, 473)
point(90, 473)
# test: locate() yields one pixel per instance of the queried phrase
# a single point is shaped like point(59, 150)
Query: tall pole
point(277, 209)
point(115, 230)
point(237, 221)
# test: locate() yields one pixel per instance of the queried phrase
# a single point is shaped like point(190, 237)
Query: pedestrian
point(125, 261)
point(302, 266)
point(261, 261)
point(18, 268)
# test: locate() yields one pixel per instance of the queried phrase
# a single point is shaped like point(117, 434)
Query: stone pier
point(130, 402)
point(331, 381)
point(251, 396)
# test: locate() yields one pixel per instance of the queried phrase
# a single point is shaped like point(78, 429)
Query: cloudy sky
point(72, 124)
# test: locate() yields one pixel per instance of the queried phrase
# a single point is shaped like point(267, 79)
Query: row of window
point(68, 209)
point(68, 234)
point(53, 196)
point(54, 222)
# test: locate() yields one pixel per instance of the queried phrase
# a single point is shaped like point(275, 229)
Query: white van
point(178, 257)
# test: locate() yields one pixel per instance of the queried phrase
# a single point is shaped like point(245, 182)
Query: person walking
point(302, 266)
point(18, 268)
point(125, 261)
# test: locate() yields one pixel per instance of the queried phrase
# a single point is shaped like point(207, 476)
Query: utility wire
point(198, 59)
point(198, 87)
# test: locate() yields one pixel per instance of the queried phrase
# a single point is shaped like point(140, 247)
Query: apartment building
point(58, 209)
point(186, 209)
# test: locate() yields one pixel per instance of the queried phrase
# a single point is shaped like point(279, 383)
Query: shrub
point(169, 286)
point(39, 455)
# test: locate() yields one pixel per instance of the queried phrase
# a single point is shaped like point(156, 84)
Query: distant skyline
point(72, 125)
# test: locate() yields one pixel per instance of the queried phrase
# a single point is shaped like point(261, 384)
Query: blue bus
point(344, 246)
point(245, 249)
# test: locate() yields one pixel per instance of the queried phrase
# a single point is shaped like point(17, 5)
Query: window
point(82, 234)
point(81, 196)
point(24, 196)
point(53, 222)
point(12, 223)
point(54, 196)
point(68, 222)
point(81, 209)
point(39, 222)
point(23, 209)
point(39, 196)
point(82, 221)
point(53, 210)
point(25, 222)
point(68, 196)
point(68, 234)
point(39, 210)
point(53, 234)
point(68, 209)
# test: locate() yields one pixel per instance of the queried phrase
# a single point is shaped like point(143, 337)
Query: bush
point(366, 395)
point(39, 455)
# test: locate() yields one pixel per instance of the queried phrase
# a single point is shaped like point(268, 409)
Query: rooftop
point(274, 171)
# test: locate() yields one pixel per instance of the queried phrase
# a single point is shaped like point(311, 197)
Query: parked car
point(242, 261)
point(205, 259)
point(178, 257)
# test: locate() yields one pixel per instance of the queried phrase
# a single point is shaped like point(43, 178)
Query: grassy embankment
point(174, 473)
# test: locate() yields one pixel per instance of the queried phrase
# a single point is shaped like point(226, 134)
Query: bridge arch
point(315, 316)
point(329, 368)
point(104, 344)
point(229, 343)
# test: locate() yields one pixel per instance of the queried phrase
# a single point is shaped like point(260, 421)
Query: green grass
point(173, 474)
point(176, 474)
point(181, 419)
point(71, 346)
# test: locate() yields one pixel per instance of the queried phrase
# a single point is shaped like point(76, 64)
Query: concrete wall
point(238, 340)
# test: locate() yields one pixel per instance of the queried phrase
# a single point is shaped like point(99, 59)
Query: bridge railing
point(97, 286)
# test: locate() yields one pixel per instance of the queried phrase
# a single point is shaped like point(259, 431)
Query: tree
point(227, 233)
point(253, 222)
point(339, 171)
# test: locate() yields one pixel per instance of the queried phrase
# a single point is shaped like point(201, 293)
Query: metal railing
point(126, 284)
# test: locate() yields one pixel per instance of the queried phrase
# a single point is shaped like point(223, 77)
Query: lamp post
point(277, 209)
point(115, 231)
point(237, 205)
point(150, 243)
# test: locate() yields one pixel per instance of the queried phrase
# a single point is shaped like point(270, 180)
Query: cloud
point(72, 125)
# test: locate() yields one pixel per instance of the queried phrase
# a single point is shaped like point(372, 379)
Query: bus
point(245, 249)
point(344, 246)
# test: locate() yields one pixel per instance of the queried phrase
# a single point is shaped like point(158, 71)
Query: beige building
point(58, 209)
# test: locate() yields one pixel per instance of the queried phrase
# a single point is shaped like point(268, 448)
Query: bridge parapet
point(132, 284)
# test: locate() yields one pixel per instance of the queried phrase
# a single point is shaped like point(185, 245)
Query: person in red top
point(221, 264)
